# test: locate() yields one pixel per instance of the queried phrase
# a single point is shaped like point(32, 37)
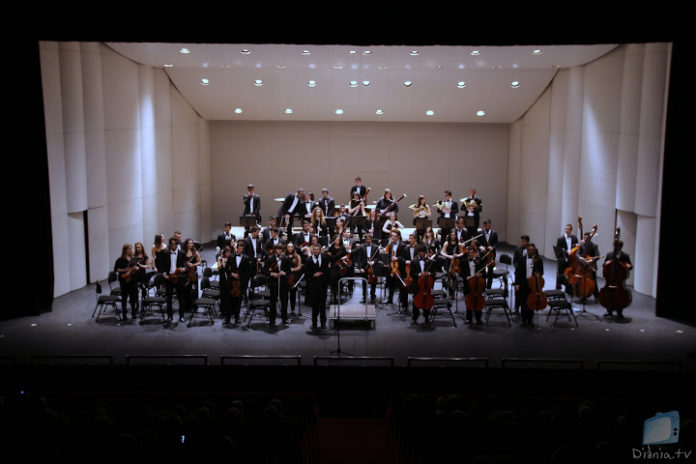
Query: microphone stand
point(338, 350)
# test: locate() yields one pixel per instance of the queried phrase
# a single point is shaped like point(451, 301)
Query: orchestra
point(459, 254)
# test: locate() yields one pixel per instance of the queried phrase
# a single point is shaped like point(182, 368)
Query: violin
point(371, 276)
point(537, 299)
point(614, 296)
point(128, 275)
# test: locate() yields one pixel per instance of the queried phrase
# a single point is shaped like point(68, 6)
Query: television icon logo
point(661, 429)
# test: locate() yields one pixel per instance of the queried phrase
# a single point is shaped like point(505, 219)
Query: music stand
point(338, 350)
point(423, 223)
point(247, 221)
point(445, 223)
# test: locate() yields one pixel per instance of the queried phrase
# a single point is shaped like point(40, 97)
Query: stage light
point(338, 66)
point(367, 52)
point(353, 52)
point(353, 83)
point(408, 83)
point(537, 52)
point(238, 110)
point(258, 82)
point(480, 113)
point(312, 83)
point(365, 83)
point(288, 111)
point(461, 84)
point(515, 84)
point(414, 53)
point(379, 112)
point(306, 52)
point(430, 112)
point(475, 53)
point(246, 51)
point(168, 65)
point(205, 81)
point(339, 111)
point(184, 51)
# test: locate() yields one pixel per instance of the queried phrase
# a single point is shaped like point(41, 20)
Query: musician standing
point(396, 257)
point(470, 267)
point(318, 225)
point(266, 232)
point(193, 260)
point(421, 211)
point(489, 241)
point(225, 237)
point(460, 230)
point(471, 211)
point(420, 267)
point(525, 267)
point(306, 207)
point(447, 209)
point(564, 244)
point(327, 203)
point(588, 254)
point(317, 272)
point(520, 251)
point(336, 253)
point(295, 260)
point(618, 257)
point(303, 237)
point(367, 256)
point(225, 297)
point(128, 271)
point(252, 204)
point(387, 204)
point(358, 187)
point(291, 208)
point(168, 262)
point(277, 269)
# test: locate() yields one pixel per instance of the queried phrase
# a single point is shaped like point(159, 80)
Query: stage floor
point(69, 330)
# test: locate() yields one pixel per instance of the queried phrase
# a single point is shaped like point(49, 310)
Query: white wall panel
point(573, 145)
point(100, 261)
point(207, 231)
point(76, 245)
point(61, 254)
point(73, 126)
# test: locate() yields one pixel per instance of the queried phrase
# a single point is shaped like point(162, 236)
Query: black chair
point(208, 291)
point(151, 299)
point(205, 303)
point(441, 300)
point(495, 300)
point(113, 277)
point(557, 303)
point(259, 298)
point(199, 247)
point(208, 272)
point(105, 300)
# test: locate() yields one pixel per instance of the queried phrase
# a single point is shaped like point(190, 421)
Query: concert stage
point(69, 335)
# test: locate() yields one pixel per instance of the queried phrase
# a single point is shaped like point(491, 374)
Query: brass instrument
point(469, 203)
point(445, 206)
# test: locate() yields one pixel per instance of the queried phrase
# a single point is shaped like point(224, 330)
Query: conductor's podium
point(353, 313)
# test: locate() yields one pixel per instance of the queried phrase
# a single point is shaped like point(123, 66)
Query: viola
point(408, 280)
point(127, 276)
point(177, 275)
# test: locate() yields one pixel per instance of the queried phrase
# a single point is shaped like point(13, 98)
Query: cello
point(475, 301)
point(424, 298)
point(614, 296)
point(536, 300)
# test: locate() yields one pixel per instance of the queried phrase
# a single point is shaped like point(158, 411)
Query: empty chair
point(113, 277)
point(204, 302)
point(557, 303)
point(105, 300)
point(495, 300)
point(152, 299)
point(259, 300)
point(440, 301)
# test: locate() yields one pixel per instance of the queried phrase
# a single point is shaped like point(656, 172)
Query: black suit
point(299, 238)
point(590, 249)
point(278, 286)
point(444, 232)
point(416, 271)
point(521, 280)
point(163, 263)
point(230, 305)
point(317, 286)
point(393, 281)
point(223, 240)
point(328, 205)
point(297, 211)
point(465, 269)
point(562, 247)
point(361, 257)
point(362, 190)
point(257, 205)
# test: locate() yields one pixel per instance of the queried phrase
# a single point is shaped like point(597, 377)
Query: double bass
point(579, 271)
point(614, 296)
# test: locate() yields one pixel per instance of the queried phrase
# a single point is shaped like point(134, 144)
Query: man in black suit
point(526, 265)
point(564, 244)
point(292, 207)
point(617, 257)
point(277, 269)
point(326, 203)
point(252, 203)
point(168, 262)
point(469, 267)
point(266, 232)
point(471, 212)
point(273, 240)
point(358, 187)
point(301, 238)
point(398, 254)
point(520, 251)
point(489, 241)
point(317, 272)
point(367, 257)
point(237, 269)
point(254, 250)
point(588, 254)
point(225, 238)
point(448, 209)
point(306, 207)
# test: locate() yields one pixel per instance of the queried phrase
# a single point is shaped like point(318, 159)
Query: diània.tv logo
point(662, 429)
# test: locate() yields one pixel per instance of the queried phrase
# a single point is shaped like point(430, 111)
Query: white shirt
point(172, 266)
point(530, 267)
point(239, 260)
point(253, 244)
point(472, 267)
point(294, 203)
point(251, 204)
point(568, 243)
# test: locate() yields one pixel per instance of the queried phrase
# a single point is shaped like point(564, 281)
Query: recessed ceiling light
point(365, 83)
point(258, 65)
point(238, 110)
point(367, 52)
point(353, 52)
point(306, 52)
point(514, 84)
point(475, 52)
point(168, 65)
point(379, 112)
point(205, 81)
point(258, 82)
point(461, 84)
point(461, 66)
point(338, 66)
point(430, 112)
point(480, 113)
point(280, 66)
point(515, 65)
point(382, 68)
point(246, 51)
point(408, 83)
point(312, 66)
point(312, 83)
point(537, 52)
point(185, 51)
point(205, 65)
point(288, 111)
point(353, 83)
point(339, 111)
point(414, 53)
